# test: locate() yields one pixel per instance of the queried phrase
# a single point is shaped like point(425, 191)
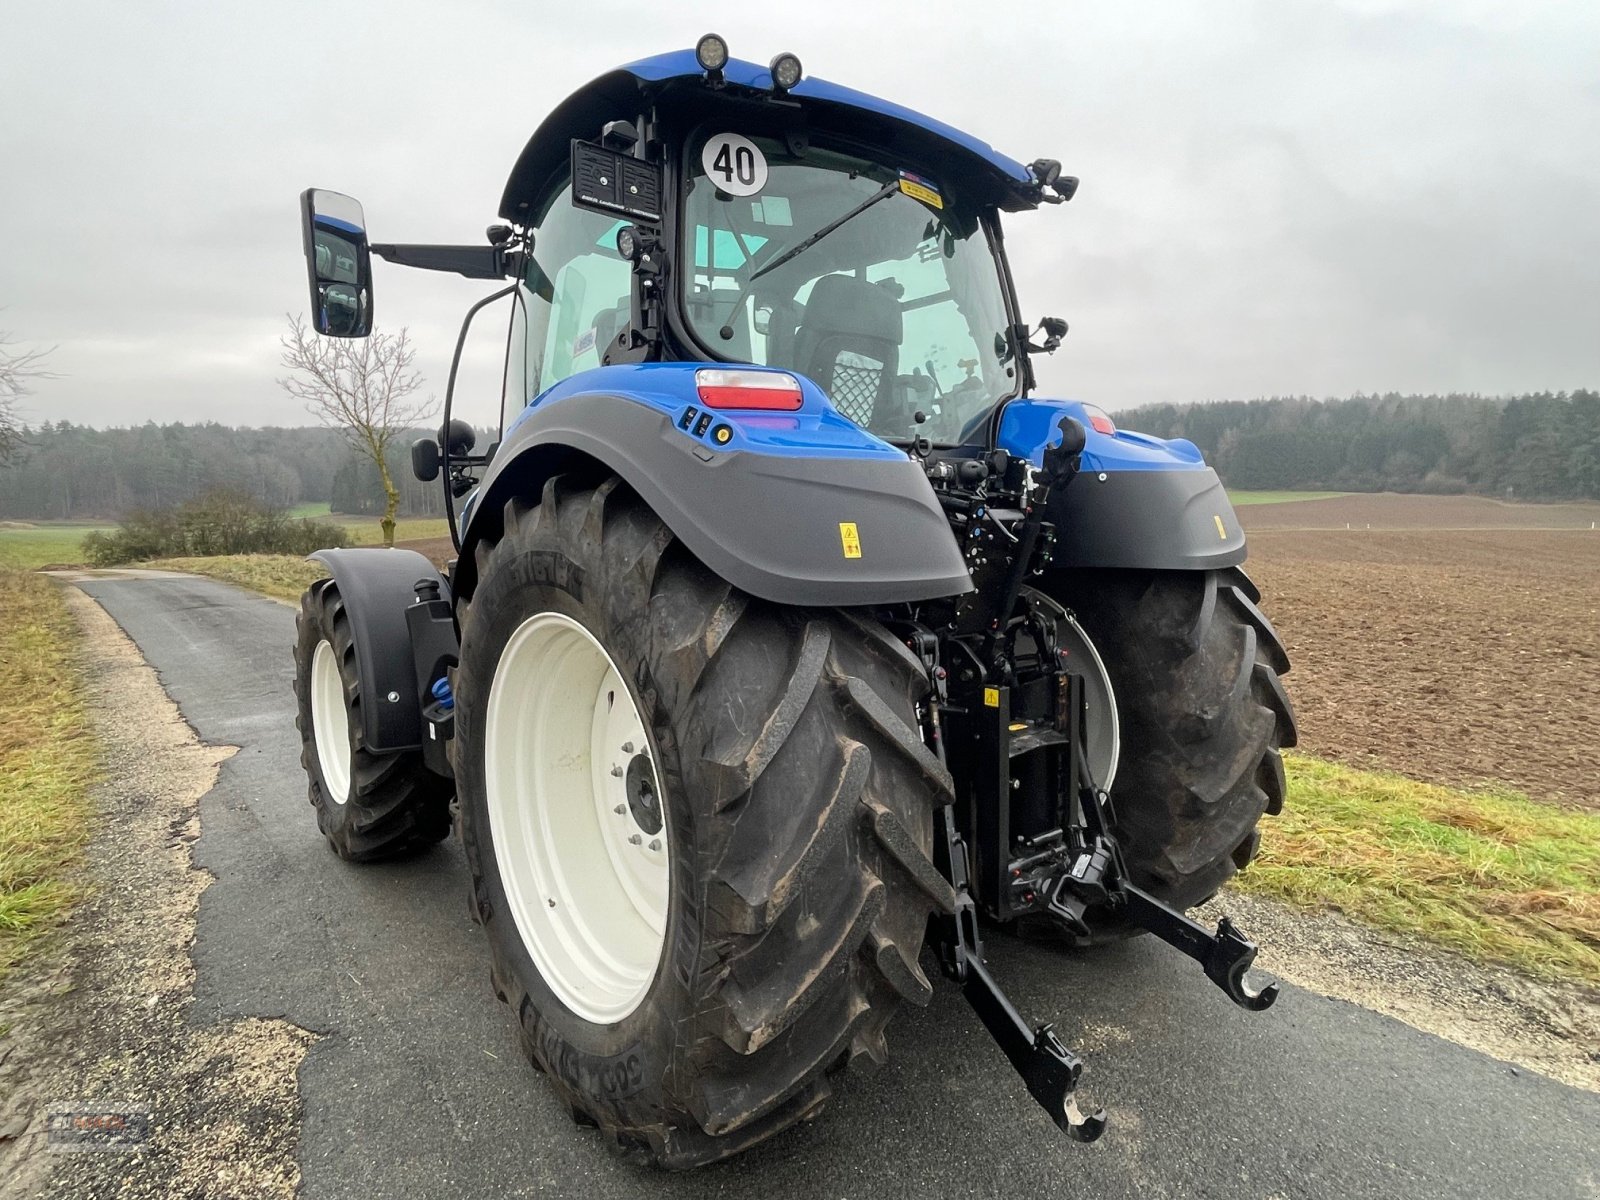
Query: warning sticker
point(991, 697)
point(921, 189)
point(850, 539)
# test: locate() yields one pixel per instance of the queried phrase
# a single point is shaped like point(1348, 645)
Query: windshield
point(896, 308)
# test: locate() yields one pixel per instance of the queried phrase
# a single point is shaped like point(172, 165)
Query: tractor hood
point(675, 84)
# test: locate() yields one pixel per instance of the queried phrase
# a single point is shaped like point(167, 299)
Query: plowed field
point(1456, 655)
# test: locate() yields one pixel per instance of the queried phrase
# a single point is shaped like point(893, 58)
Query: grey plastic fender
point(377, 586)
point(769, 525)
point(1147, 520)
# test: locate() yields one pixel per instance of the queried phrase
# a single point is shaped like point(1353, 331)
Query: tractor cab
point(693, 207)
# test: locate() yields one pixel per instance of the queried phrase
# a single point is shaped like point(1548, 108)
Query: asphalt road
point(416, 1088)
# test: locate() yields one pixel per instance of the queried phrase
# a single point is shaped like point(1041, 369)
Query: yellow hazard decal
point(991, 697)
point(921, 189)
point(1222, 530)
point(850, 539)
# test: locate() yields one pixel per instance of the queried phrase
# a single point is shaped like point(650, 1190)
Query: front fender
point(800, 508)
point(377, 587)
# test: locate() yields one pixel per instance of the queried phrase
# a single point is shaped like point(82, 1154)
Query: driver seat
point(849, 344)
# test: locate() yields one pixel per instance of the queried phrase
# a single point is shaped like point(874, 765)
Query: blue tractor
point(788, 631)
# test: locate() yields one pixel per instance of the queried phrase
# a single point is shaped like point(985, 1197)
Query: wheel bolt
point(627, 747)
point(620, 809)
point(655, 843)
point(616, 772)
point(634, 839)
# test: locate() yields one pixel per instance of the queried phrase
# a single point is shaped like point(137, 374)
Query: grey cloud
point(1277, 196)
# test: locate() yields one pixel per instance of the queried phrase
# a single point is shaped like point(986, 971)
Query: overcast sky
point(1278, 197)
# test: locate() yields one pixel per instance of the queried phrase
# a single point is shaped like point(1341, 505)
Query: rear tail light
point(1098, 421)
point(768, 390)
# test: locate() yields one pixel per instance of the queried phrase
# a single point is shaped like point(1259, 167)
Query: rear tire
point(797, 800)
point(370, 805)
point(1203, 715)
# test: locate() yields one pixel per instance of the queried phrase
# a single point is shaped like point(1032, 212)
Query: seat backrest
point(849, 343)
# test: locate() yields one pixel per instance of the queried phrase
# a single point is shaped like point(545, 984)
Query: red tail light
point(769, 390)
point(1098, 421)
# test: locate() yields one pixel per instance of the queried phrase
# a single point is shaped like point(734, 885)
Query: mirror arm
point(445, 456)
point(475, 262)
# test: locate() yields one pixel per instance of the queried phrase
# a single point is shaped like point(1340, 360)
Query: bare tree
point(18, 370)
point(366, 388)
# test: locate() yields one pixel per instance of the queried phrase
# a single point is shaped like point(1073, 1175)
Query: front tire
point(370, 805)
point(796, 807)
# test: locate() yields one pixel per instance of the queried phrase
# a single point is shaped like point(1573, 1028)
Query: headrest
point(845, 304)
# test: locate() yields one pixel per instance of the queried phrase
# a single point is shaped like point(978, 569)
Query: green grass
point(280, 575)
point(41, 544)
point(1247, 497)
point(367, 531)
point(1489, 874)
point(47, 761)
point(46, 543)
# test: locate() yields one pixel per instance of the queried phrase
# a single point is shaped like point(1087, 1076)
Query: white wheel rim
point(564, 749)
point(330, 722)
point(1102, 729)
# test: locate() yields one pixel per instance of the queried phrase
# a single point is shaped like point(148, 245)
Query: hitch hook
point(1225, 955)
point(1049, 1070)
point(1229, 962)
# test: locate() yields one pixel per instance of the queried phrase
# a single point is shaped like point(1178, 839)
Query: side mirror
point(338, 265)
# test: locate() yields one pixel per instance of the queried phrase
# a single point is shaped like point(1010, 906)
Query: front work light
point(785, 71)
point(711, 52)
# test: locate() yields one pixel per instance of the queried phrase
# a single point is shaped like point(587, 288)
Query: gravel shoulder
point(107, 1020)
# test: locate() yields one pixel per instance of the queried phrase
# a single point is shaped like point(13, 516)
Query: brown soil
point(1461, 657)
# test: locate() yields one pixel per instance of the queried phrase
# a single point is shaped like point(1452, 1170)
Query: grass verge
point(47, 761)
point(281, 575)
point(1489, 874)
point(1241, 497)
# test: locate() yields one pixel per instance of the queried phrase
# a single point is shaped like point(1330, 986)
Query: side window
point(575, 294)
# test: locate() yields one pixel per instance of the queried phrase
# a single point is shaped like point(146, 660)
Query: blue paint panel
point(335, 223)
point(815, 430)
point(1028, 426)
point(681, 63)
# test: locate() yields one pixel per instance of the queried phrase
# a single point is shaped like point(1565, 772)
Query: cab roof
point(675, 80)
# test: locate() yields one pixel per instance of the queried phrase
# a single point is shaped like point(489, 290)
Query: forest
point(1543, 446)
point(74, 472)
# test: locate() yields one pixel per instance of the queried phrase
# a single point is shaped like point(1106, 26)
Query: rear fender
point(398, 653)
point(1138, 502)
point(802, 508)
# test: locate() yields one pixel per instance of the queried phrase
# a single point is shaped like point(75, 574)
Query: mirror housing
point(425, 459)
point(338, 263)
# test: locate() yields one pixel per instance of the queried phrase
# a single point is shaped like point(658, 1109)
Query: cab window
point(574, 300)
